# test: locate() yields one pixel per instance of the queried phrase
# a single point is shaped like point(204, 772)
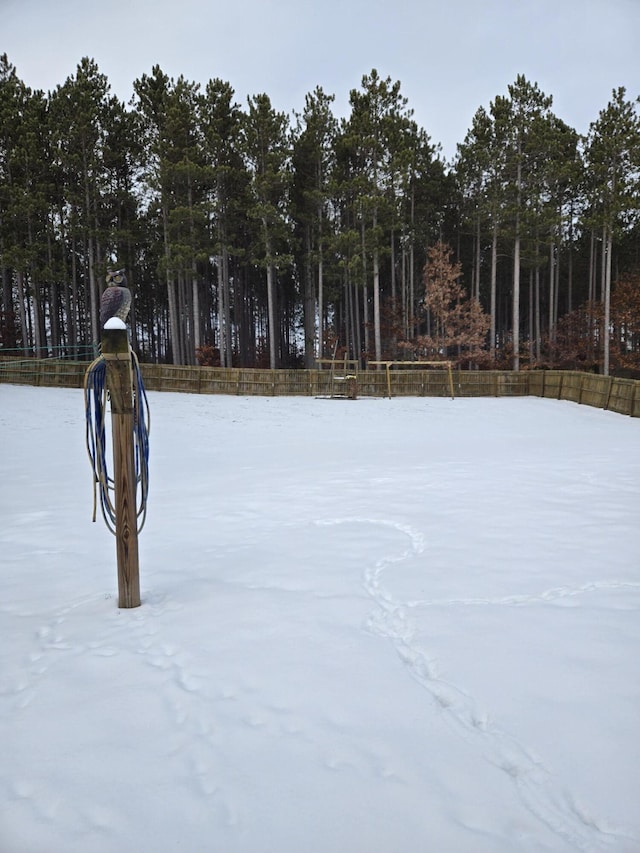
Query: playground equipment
point(343, 378)
point(389, 364)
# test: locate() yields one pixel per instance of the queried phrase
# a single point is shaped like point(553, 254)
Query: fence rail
point(604, 392)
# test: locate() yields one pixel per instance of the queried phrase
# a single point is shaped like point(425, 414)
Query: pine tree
point(174, 175)
point(78, 117)
point(266, 147)
point(480, 167)
point(613, 164)
point(313, 156)
point(228, 194)
point(379, 117)
point(13, 100)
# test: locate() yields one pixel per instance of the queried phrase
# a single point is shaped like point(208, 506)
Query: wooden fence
point(614, 394)
point(50, 372)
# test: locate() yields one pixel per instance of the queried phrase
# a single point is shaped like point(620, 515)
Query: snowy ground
point(367, 627)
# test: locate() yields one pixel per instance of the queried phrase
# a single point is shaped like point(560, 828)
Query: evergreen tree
point(123, 219)
point(175, 177)
point(78, 110)
point(237, 233)
point(613, 164)
point(228, 195)
point(480, 167)
point(266, 147)
point(527, 108)
point(379, 117)
point(312, 162)
point(14, 195)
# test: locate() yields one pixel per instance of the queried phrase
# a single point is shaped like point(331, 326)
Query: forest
point(255, 238)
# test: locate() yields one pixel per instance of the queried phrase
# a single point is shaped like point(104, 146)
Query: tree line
point(251, 237)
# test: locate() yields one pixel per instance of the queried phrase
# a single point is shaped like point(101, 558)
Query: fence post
point(117, 356)
point(609, 389)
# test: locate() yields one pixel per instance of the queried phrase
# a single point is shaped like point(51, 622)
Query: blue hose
point(95, 397)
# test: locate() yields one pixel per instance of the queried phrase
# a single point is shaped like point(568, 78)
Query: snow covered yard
point(367, 627)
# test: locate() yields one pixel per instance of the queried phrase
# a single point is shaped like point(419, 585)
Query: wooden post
point(117, 356)
point(450, 380)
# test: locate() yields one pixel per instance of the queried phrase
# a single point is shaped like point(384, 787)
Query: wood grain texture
point(115, 349)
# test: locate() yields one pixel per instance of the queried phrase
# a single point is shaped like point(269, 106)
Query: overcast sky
point(450, 57)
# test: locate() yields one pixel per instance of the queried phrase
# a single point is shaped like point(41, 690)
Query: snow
point(367, 626)
point(115, 323)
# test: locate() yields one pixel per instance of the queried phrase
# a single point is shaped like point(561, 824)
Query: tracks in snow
point(537, 787)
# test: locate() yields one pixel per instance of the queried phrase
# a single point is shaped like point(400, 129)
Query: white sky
point(451, 58)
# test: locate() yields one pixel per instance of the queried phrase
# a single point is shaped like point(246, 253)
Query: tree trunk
point(556, 294)
point(393, 269)
point(552, 300)
point(516, 281)
point(309, 306)
point(320, 345)
point(22, 312)
point(477, 276)
point(272, 330)
point(320, 342)
point(358, 324)
point(376, 306)
point(531, 317)
point(603, 264)
point(347, 315)
point(592, 267)
point(365, 294)
point(412, 282)
point(174, 331)
point(54, 300)
point(226, 286)
point(93, 289)
point(570, 278)
point(376, 294)
point(537, 310)
point(39, 330)
point(76, 324)
point(404, 292)
point(197, 342)
point(570, 272)
point(607, 250)
point(492, 307)
point(9, 329)
point(221, 310)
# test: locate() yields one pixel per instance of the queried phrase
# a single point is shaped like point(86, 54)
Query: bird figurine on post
point(116, 299)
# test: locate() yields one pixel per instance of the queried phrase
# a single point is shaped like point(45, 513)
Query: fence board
point(552, 384)
point(621, 396)
point(373, 383)
point(595, 390)
point(635, 404)
point(477, 383)
point(571, 386)
point(513, 384)
point(418, 383)
point(52, 372)
point(536, 383)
